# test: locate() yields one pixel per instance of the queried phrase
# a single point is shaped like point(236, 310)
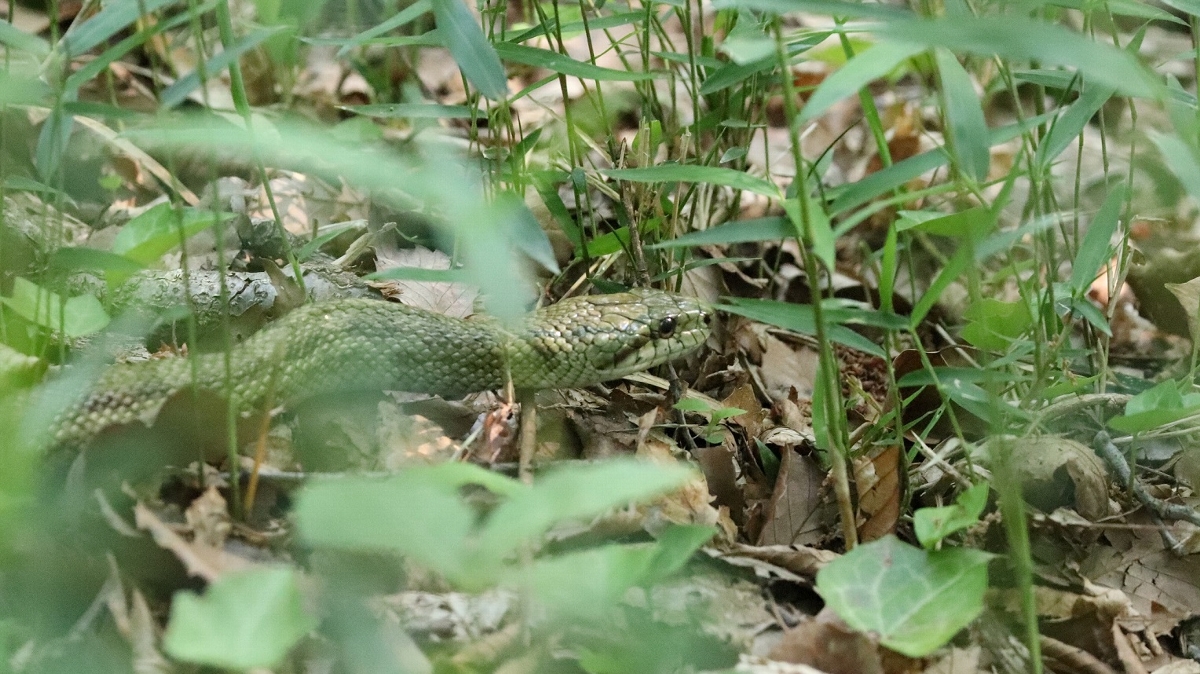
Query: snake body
point(355, 345)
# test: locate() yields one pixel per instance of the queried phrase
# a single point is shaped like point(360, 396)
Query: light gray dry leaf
point(200, 560)
point(1162, 587)
point(209, 519)
point(727, 607)
point(451, 299)
point(784, 367)
point(958, 661)
point(449, 616)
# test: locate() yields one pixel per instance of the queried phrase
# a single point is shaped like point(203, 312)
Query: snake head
point(600, 337)
point(659, 327)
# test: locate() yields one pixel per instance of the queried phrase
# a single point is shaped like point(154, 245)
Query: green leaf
point(115, 17)
point(1154, 407)
point(821, 407)
point(17, 39)
point(819, 7)
point(1022, 39)
point(1094, 250)
point(1122, 8)
point(860, 71)
point(575, 492)
point(329, 233)
point(978, 401)
point(822, 231)
point(1189, 7)
point(147, 237)
point(968, 129)
point(77, 259)
point(730, 74)
point(526, 233)
point(934, 524)
point(1066, 82)
point(560, 63)
point(415, 111)
point(887, 271)
point(594, 23)
point(586, 584)
point(914, 600)
point(245, 620)
point(1180, 156)
point(993, 324)
point(420, 274)
point(675, 548)
point(1082, 306)
point(851, 312)
point(178, 91)
point(365, 515)
point(89, 70)
point(798, 317)
point(691, 173)
point(590, 583)
point(962, 260)
point(74, 317)
point(1069, 125)
point(470, 48)
point(18, 90)
point(771, 228)
point(401, 18)
point(971, 225)
point(52, 143)
point(1004, 241)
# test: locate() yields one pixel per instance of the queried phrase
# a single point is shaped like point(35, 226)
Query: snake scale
point(355, 345)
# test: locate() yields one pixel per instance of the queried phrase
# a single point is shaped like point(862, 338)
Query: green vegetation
point(934, 206)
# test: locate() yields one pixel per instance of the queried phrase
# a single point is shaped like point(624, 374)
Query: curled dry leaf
point(878, 481)
point(1056, 472)
point(1188, 295)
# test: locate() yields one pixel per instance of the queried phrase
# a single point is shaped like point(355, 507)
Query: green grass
point(1012, 250)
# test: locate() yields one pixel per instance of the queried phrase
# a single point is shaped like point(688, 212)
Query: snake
point(371, 345)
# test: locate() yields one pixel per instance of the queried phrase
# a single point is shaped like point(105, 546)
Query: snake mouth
point(649, 349)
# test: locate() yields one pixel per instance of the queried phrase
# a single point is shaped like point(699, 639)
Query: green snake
point(356, 345)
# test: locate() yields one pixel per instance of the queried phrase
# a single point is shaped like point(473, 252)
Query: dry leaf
point(1188, 295)
point(451, 299)
point(878, 481)
point(796, 515)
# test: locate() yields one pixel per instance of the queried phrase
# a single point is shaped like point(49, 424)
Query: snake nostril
point(708, 318)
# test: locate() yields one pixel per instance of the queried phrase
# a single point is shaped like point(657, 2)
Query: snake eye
point(666, 327)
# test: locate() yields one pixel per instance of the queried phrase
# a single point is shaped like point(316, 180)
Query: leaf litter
point(1109, 590)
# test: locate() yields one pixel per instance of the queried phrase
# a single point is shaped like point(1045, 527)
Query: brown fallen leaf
point(878, 481)
point(1188, 295)
point(796, 515)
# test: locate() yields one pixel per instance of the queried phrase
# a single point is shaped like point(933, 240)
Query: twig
point(1120, 467)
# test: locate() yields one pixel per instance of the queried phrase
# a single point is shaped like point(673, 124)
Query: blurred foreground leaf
point(421, 513)
point(244, 620)
point(73, 316)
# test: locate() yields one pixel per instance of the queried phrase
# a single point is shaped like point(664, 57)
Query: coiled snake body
point(351, 345)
